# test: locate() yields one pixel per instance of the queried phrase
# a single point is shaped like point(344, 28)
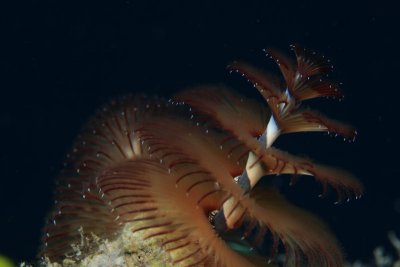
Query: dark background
point(61, 60)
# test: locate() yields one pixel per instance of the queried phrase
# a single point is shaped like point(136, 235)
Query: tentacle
point(300, 232)
point(182, 172)
point(278, 162)
point(177, 221)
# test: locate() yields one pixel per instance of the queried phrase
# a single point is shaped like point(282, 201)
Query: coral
point(177, 181)
point(396, 244)
point(381, 258)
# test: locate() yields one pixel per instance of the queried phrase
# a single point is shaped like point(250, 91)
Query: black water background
point(60, 61)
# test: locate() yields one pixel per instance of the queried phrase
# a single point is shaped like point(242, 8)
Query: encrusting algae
point(127, 250)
